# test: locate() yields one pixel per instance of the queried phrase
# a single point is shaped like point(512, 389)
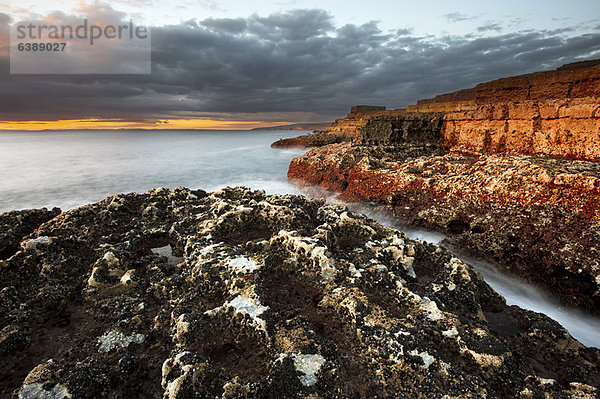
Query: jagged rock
point(315, 139)
point(60, 380)
point(272, 296)
point(16, 225)
point(507, 169)
point(538, 217)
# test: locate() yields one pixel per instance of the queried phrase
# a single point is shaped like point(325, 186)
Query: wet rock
point(115, 340)
point(128, 364)
point(13, 338)
point(55, 379)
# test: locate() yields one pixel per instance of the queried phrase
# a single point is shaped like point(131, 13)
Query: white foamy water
point(69, 169)
point(583, 327)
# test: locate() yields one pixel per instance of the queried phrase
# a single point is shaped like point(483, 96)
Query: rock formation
point(580, 79)
point(264, 296)
point(565, 128)
point(516, 182)
point(16, 225)
point(315, 139)
point(553, 113)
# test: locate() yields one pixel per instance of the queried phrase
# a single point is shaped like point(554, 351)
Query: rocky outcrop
point(264, 296)
point(516, 182)
point(554, 113)
point(395, 130)
point(17, 224)
point(581, 79)
point(373, 124)
point(316, 139)
point(536, 217)
point(363, 109)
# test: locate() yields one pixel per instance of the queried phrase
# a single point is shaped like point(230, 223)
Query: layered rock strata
point(555, 113)
point(580, 79)
point(516, 182)
point(264, 296)
point(565, 128)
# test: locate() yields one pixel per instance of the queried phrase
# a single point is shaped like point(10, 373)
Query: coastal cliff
point(564, 128)
point(508, 170)
point(261, 296)
point(580, 79)
point(554, 113)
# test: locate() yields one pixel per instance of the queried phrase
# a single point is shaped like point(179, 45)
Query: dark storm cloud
point(272, 68)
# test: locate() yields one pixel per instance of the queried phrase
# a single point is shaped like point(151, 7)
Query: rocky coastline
point(182, 293)
point(260, 296)
point(508, 170)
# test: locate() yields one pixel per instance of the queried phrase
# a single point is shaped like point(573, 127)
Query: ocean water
point(72, 168)
point(69, 169)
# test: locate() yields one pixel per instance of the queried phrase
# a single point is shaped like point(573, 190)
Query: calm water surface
point(69, 169)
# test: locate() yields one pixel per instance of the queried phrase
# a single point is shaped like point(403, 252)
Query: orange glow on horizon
point(101, 124)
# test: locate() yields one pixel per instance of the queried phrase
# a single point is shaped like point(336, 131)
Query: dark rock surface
point(15, 225)
point(264, 296)
point(392, 130)
point(315, 139)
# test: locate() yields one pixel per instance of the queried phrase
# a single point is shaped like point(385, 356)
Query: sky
point(237, 64)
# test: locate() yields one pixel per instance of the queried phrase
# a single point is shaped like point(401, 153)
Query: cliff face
point(554, 113)
point(402, 129)
point(569, 81)
point(516, 182)
point(567, 128)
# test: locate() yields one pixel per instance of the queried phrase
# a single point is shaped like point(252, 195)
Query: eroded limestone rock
point(275, 296)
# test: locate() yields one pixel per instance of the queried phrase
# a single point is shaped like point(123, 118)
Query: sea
point(68, 169)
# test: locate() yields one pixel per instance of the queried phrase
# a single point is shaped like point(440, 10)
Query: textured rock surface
point(576, 80)
point(484, 176)
point(271, 296)
point(539, 217)
point(316, 139)
point(411, 128)
point(17, 224)
point(566, 128)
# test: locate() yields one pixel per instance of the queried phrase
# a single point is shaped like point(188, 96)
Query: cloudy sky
point(241, 64)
